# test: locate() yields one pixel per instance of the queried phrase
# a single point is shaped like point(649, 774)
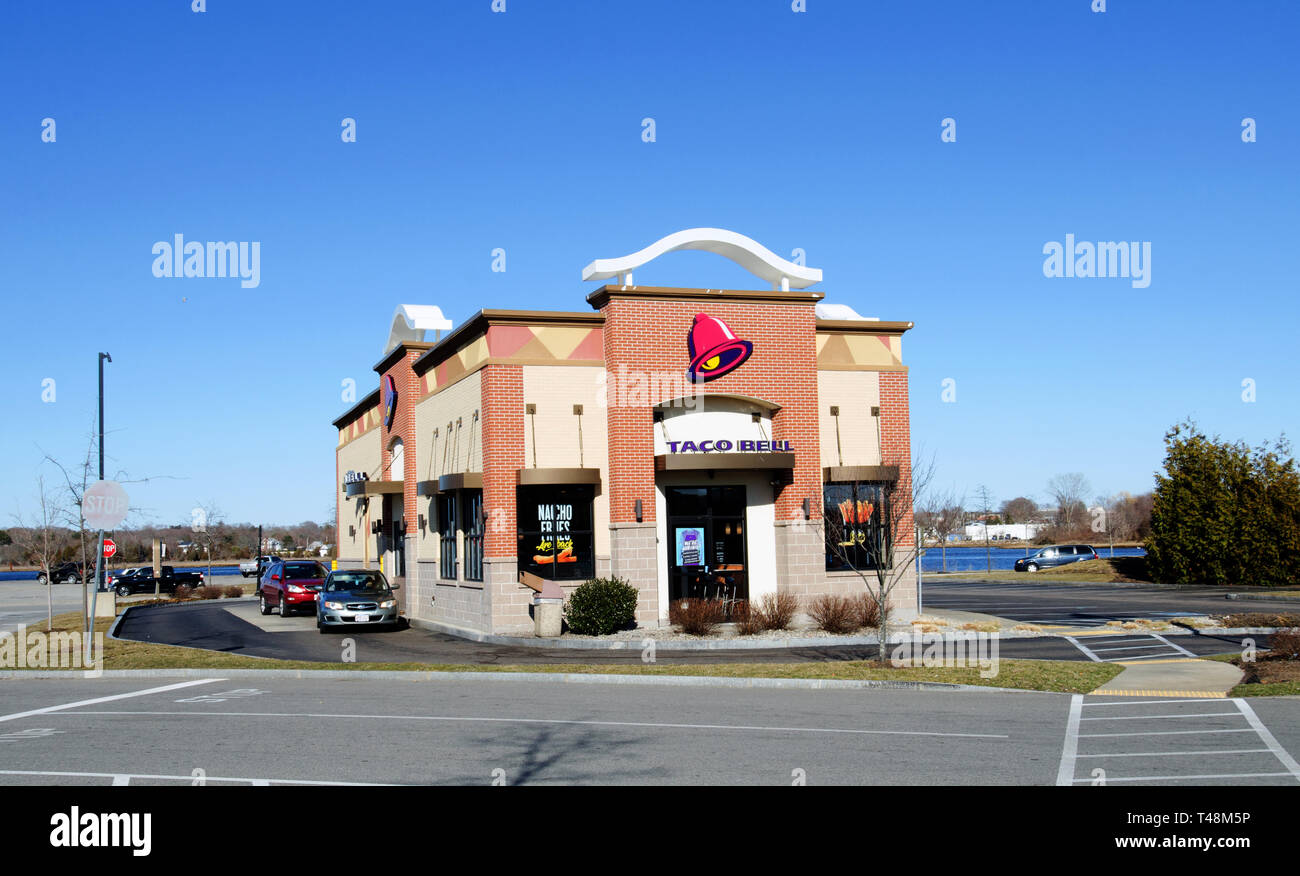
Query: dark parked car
point(65, 573)
point(356, 596)
point(289, 585)
point(141, 580)
point(1055, 555)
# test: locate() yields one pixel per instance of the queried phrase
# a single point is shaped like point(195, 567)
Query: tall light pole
point(99, 553)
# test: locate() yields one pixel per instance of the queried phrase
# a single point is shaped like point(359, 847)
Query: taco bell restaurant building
point(693, 442)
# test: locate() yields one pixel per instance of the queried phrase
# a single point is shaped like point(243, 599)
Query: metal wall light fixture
point(419, 519)
point(807, 508)
point(637, 508)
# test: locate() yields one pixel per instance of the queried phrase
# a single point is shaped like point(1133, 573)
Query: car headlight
point(294, 588)
point(336, 606)
point(388, 603)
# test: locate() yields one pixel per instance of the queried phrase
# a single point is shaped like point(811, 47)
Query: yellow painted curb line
point(1099, 692)
point(1151, 662)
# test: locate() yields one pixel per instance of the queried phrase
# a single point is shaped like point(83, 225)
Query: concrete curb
point(534, 677)
point(748, 643)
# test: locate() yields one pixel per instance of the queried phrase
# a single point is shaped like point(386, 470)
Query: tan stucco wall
point(855, 392)
point(453, 450)
point(360, 454)
point(555, 389)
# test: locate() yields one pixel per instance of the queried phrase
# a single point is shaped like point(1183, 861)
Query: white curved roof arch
point(411, 321)
point(744, 251)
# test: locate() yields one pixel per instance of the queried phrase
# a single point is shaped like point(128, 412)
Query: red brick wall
point(409, 389)
point(896, 444)
point(503, 454)
point(650, 336)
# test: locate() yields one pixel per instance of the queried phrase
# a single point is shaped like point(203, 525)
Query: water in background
point(972, 559)
point(216, 570)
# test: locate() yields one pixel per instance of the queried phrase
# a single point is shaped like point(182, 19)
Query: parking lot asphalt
point(518, 732)
point(1082, 605)
point(26, 603)
point(238, 628)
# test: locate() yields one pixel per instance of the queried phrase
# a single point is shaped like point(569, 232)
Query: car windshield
point(356, 582)
point(299, 571)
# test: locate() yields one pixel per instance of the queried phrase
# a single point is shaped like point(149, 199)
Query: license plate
point(362, 619)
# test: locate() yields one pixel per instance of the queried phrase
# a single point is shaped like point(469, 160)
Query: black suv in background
point(65, 573)
point(140, 580)
point(1055, 555)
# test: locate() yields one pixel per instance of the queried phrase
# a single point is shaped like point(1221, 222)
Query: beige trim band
point(537, 476)
point(703, 461)
point(838, 473)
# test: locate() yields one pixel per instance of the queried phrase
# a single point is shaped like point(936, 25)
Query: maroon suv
point(290, 585)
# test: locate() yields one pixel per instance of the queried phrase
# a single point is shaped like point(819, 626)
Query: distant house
point(1002, 531)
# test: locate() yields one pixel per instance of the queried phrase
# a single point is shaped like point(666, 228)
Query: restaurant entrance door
point(706, 542)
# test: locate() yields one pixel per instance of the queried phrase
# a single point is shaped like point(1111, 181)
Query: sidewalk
point(1175, 677)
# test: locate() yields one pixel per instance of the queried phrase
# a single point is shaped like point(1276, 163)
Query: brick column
point(506, 601)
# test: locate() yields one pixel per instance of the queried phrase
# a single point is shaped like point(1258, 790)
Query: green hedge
point(600, 607)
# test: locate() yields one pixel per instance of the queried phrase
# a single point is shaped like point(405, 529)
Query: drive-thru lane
point(236, 627)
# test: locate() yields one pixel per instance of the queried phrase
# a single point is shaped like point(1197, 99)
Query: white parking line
point(1070, 749)
point(1172, 645)
point(139, 693)
point(1181, 753)
point(1153, 717)
point(1129, 648)
point(755, 728)
point(1076, 643)
point(125, 778)
point(1278, 751)
point(1111, 781)
point(1152, 702)
point(1166, 733)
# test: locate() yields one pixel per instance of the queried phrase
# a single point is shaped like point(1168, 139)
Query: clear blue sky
point(522, 130)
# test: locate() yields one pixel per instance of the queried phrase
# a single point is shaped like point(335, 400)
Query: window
point(555, 531)
point(447, 533)
point(472, 506)
point(857, 525)
point(397, 467)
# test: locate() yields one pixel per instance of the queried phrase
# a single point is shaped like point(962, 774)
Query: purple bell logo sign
point(390, 401)
point(715, 350)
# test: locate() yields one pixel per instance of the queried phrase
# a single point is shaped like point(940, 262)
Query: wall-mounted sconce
point(352, 532)
point(401, 527)
point(638, 510)
point(377, 526)
point(807, 508)
point(419, 518)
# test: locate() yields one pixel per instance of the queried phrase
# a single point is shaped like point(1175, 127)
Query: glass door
point(706, 543)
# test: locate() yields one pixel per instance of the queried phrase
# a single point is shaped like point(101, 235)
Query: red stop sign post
point(110, 548)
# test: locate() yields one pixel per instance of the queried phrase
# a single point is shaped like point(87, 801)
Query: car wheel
point(261, 603)
point(123, 590)
point(284, 606)
point(1032, 567)
point(41, 579)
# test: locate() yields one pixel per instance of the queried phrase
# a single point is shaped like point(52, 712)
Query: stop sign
point(104, 505)
point(110, 548)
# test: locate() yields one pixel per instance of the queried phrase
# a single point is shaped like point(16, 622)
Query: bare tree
point(1068, 491)
point(1021, 509)
point(203, 523)
point(941, 514)
point(870, 530)
point(986, 506)
point(43, 539)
